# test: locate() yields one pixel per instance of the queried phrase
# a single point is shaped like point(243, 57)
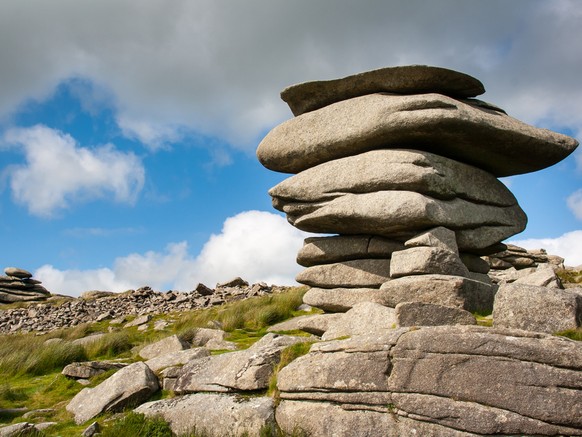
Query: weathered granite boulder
point(129, 386)
point(352, 274)
point(353, 420)
point(164, 346)
point(340, 299)
point(509, 382)
point(392, 170)
point(176, 358)
point(430, 314)
point(363, 318)
point(543, 276)
point(212, 339)
point(535, 308)
point(404, 214)
point(441, 381)
point(456, 129)
point(215, 415)
point(244, 370)
point(425, 261)
point(327, 250)
point(452, 291)
point(89, 369)
point(409, 79)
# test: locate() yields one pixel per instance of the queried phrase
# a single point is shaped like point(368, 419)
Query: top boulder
point(410, 79)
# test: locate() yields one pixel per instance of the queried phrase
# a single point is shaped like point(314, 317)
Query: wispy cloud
point(58, 171)
point(101, 232)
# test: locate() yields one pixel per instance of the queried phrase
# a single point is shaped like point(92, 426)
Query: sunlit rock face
point(391, 163)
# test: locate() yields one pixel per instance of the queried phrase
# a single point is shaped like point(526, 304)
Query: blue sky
point(128, 129)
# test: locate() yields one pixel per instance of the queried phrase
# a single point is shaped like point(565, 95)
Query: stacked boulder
point(19, 286)
point(400, 165)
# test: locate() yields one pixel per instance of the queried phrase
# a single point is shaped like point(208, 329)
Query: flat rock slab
point(409, 79)
point(248, 369)
point(393, 170)
point(177, 358)
point(164, 346)
point(535, 308)
point(341, 420)
point(478, 136)
point(215, 415)
point(403, 214)
point(452, 291)
point(129, 386)
point(355, 273)
point(341, 299)
point(430, 314)
point(326, 250)
point(363, 318)
point(537, 378)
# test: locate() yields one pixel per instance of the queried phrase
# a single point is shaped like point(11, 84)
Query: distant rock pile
point(402, 165)
point(19, 286)
point(95, 306)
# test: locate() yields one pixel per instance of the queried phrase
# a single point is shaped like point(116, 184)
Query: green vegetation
point(570, 276)
point(30, 366)
point(134, 424)
point(288, 354)
point(573, 334)
point(249, 314)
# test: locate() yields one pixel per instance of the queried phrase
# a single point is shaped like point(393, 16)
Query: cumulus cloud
point(58, 171)
point(256, 245)
point(568, 246)
point(216, 67)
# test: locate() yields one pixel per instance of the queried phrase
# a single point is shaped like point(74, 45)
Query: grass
point(572, 334)
point(134, 424)
point(570, 276)
point(289, 354)
point(30, 368)
point(249, 314)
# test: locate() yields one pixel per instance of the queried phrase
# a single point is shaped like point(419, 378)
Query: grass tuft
point(134, 424)
point(250, 314)
point(569, 276)
point(289, 354)
point(572, 334)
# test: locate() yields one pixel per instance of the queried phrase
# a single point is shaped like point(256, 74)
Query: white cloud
point(58, 171)
point(216, 67)
point(256, 245)
point(568, 246)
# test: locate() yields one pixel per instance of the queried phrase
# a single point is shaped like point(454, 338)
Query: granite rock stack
point(18, 285)
point(400, 166)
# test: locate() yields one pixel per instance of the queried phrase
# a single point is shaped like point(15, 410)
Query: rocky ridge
point(97, 306)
